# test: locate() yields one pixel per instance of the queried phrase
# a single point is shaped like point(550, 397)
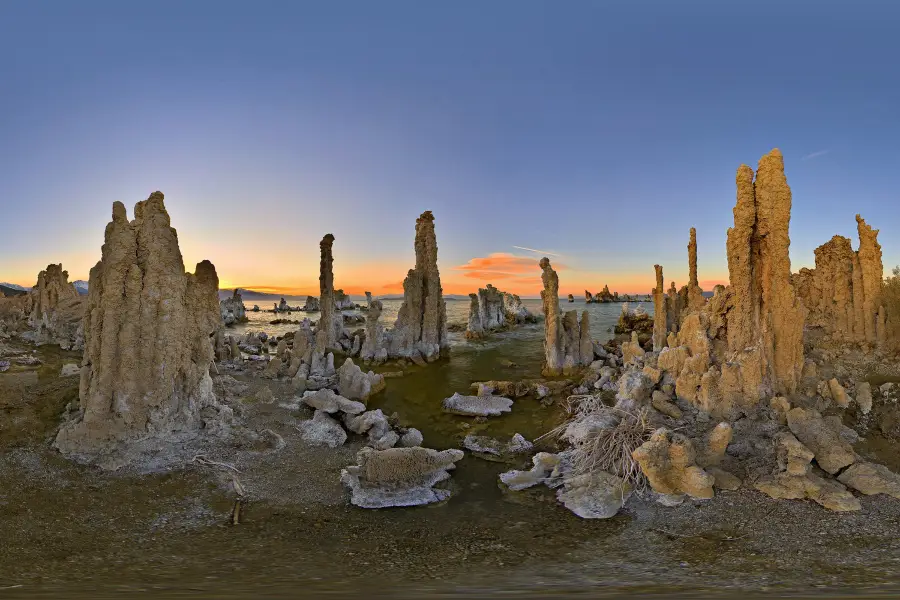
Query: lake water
point(603, 317)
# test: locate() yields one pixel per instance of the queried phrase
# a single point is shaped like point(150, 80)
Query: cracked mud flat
point(75, 532)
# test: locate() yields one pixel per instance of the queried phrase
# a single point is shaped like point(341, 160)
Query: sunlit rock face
point(767, 316)
point(421, 326)
point(843, 291)
point(149, 330)
point(660, 317)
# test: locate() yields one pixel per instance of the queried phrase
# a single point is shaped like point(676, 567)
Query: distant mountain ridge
point(14, 286)
point(10, 290)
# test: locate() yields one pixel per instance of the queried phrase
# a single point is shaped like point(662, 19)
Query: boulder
point(596, 495)
point(354, 384)
point(322, 430)
point(832, 453)
point(329, 402)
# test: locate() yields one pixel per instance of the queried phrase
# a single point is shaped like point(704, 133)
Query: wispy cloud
point(816, 154)
point(502, 262)
point(544, 252)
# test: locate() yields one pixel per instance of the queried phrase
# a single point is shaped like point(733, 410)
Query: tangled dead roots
point(605, 448)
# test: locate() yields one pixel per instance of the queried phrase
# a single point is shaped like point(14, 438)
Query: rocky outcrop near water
point(843, 292)
point(634, 320)
point(605, 296)
point(571, 298)
point(342, 301)
point(567, 341)
point(148, 331)
point(311, 305)
point(492, 310)
point(421, 326)
point(233, 310)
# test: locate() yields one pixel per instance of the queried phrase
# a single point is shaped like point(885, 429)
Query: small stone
point(412, 437)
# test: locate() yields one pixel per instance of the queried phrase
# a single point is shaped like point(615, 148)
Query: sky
point(593, 132)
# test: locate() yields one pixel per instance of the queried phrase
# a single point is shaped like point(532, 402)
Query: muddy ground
point(73, 531)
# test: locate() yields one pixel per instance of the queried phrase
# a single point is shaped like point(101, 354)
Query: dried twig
point(202, 460)
point(609, 437)
point(236, 512)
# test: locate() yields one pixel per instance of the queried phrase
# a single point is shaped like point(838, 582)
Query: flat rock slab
point(477, 406)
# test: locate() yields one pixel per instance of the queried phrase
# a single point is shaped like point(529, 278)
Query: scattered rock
point(485, 406)
point(322, 430)
point(544, 464)
point(354, 384)
point(413, 437)
point(870, 478)
point(597, 495)
point(831, 451)
point(329, 402)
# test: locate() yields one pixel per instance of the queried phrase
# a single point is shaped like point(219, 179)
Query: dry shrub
point(608, 447)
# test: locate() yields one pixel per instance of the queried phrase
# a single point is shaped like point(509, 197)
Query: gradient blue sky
point(598, 131)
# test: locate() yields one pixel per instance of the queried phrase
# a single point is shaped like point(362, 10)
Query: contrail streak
point(536, 251)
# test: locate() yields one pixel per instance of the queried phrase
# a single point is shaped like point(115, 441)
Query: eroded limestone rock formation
point(694, 295)
point(421, 327)
point(843, 292)
point(795, 479)
point(567, 342)
point(493, 310)
point(55, 310)
point(634, 320)
point(660, 318)
point(373, 347)
point(766, 320)
point(330, 321)
point(148, 343)
point(312, 304)
point(356, 384)
point(674, 464)
point(606, 296)
point(233, 310)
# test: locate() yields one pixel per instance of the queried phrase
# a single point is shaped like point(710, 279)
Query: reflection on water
point(602, 316)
